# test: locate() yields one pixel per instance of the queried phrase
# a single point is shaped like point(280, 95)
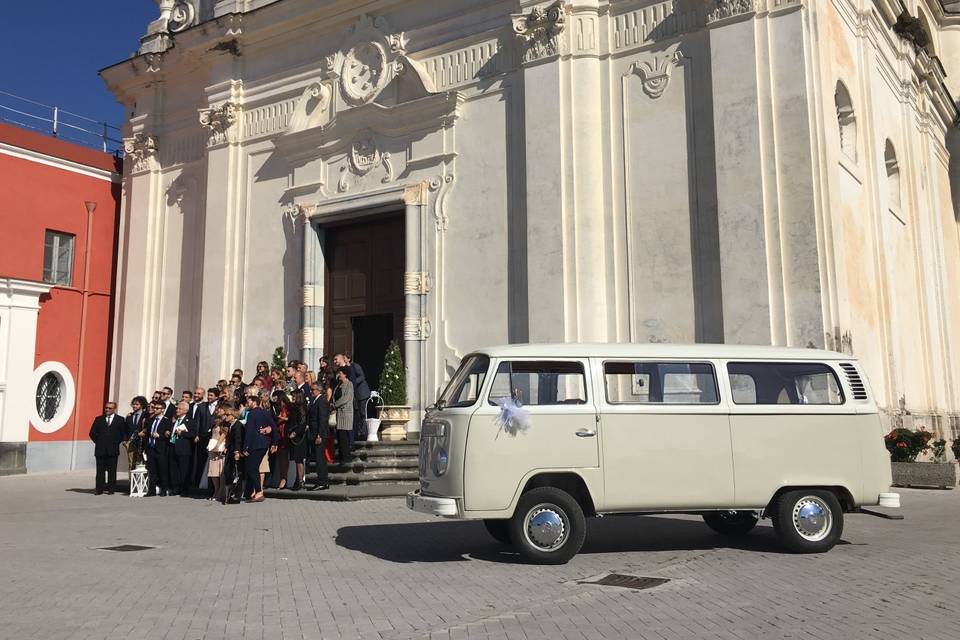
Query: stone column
point(416, 327)
point(313, 293)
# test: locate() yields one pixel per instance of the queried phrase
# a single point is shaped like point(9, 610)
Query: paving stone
point(373, 570)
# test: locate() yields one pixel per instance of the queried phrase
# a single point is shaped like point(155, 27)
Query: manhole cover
point(126, 547)
point(628, 582)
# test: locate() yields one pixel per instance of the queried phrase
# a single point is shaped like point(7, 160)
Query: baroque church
point(328, 175)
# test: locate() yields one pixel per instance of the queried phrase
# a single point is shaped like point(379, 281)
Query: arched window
point(893, 175)
point(846, 122)
point(930, 47)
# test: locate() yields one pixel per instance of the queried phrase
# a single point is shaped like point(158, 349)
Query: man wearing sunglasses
point(107, 432)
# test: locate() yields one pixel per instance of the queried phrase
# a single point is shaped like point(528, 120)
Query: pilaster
point(541, 37)
point(745, 281)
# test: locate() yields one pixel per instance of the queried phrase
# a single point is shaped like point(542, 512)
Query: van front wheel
point(548, 526)
point(731, 523)
point(808, 521)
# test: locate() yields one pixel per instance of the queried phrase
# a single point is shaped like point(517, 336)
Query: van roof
point(659, 350)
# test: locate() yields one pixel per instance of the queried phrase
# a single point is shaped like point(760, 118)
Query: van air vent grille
point(856, 382)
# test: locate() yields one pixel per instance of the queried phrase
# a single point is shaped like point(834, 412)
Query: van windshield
point(464, 387)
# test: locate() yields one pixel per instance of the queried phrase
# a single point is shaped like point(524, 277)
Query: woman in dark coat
point(297, 434)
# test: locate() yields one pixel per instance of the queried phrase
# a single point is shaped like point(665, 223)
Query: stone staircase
point(379, 463)
point(378, 470)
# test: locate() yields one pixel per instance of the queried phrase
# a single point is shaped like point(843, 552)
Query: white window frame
point(58, 237)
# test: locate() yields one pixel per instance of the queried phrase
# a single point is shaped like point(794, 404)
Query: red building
point(59, 210)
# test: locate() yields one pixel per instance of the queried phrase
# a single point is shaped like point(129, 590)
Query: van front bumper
point(445, 507)
point(891, 500)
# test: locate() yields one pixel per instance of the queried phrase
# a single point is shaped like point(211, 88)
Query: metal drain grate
point(638, 583)
point(126, 547)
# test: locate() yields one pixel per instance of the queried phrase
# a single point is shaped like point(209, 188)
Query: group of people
point(242, 436)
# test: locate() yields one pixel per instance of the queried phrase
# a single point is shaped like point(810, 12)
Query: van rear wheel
point(499, 530)
point(731, 523)
point(548, 526)
point(809, 520)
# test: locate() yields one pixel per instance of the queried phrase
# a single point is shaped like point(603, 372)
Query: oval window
point(49, 395)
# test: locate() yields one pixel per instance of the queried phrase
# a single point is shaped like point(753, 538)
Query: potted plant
point(395, 412)
point(905, 446)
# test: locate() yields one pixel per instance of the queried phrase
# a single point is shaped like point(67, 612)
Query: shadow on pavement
point(446, 541)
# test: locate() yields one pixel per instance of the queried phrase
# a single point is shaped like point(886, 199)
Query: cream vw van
point(532, 439)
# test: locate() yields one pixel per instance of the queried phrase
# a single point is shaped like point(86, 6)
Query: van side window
point(783, 383)
point(540, 383)
point(660, 383)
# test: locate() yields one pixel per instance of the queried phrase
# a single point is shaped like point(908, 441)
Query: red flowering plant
point(905, 445)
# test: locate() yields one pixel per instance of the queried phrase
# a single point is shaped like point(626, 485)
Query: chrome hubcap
point(546, 527)
point(812, 518)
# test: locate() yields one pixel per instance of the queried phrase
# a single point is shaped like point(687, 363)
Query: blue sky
point(51, 50)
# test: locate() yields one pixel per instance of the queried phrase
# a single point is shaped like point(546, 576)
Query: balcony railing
point(59, 123)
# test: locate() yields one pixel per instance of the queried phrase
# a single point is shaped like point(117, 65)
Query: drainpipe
point(85, 294)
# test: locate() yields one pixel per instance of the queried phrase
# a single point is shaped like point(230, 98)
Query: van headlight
point(440, 461)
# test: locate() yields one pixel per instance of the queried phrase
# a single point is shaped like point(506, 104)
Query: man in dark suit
point(300, 382)
point(181, 437)
point(259, 435)
point(157, 431)
point(361, 395)
point(139, 412)
point(203, 420)
point(107, 432)
point(318, 412)
point(169, 406)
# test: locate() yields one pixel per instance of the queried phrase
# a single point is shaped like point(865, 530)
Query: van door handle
point(586, 433)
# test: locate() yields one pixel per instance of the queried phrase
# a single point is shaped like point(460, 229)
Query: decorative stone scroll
point(140, 151)
point(441, 185)
point(729, 8)
point(183, 15)
point(539, 31)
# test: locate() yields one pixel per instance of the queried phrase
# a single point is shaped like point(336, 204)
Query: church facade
point(328, 175)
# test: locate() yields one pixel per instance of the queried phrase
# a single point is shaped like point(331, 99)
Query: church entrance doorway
point(364, 303)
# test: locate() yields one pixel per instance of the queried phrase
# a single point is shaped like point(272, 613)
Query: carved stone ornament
point(365, 156)
point(539, 31)
point(729, 8)
point(416, 328)
point(416, 283)
point(153, 61)
point(140, 150)
point(293, 212)
point(219, 120)
point(655, 73)
point(369, 58)
point(441, 185)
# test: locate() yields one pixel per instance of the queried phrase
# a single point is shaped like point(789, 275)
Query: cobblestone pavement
point(305, 569)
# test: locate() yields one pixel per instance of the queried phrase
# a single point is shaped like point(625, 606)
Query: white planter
point(394, 420)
